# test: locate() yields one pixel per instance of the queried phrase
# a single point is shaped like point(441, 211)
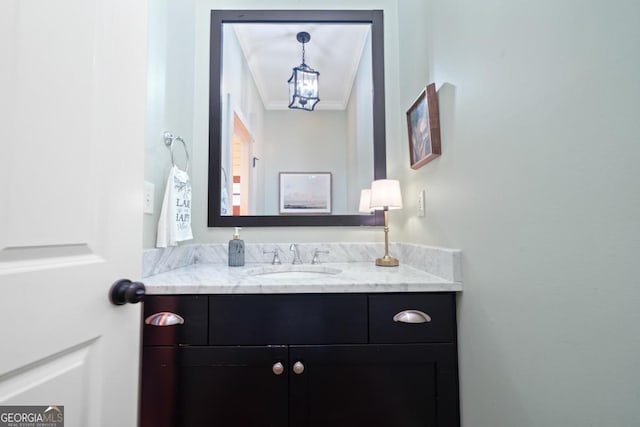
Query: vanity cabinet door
point(232, 386)
point(408, 385)
point(159, 387)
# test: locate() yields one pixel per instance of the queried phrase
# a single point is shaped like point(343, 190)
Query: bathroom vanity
point(301, 346)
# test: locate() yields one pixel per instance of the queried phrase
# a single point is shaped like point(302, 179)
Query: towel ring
point(186, 153)
point(169, 139)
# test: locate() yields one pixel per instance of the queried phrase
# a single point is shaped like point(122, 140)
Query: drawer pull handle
point(164, 318)
point(298, 368)
point(277, 368)
point(412, 316)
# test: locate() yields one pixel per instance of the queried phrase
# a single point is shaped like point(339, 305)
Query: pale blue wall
point(539, 185)
point(360, 131)
point(169, 96)
point(290, 147)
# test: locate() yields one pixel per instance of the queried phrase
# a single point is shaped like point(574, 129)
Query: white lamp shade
point(365, 201)
point(385, 193)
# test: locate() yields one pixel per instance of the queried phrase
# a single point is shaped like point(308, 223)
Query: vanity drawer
point(439, 324)
point(192, 308)
point(287, 319)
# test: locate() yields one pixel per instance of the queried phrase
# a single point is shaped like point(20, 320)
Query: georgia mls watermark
point(31, 416)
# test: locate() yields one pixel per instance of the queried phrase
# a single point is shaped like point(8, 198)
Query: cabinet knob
point(277, 368)
point(298, 368)
point(412, 316)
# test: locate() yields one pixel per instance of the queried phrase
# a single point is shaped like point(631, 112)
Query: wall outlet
point(147, 206)
point(420, 209)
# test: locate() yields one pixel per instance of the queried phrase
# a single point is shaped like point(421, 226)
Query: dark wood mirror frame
point(219, 17)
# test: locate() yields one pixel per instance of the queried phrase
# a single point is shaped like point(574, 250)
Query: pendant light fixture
point(303, 84)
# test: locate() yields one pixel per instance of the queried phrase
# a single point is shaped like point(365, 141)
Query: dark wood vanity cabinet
point(302, 360)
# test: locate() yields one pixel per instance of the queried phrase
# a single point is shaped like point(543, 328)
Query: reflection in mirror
point(255, 139)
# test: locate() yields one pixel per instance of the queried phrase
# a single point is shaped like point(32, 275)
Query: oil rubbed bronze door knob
point(125, 291)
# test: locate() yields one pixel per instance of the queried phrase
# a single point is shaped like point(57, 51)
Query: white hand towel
point(174, 224)
point(224, 201)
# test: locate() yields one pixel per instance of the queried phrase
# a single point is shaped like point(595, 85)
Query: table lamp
point(385, 195)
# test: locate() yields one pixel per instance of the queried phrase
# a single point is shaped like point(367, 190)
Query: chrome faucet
point(316, 252)
point(296, 253)
point(276, 258)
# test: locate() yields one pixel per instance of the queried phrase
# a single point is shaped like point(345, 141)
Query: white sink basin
point(293, 271)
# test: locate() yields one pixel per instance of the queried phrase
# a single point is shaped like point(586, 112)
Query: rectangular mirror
point(255, 138)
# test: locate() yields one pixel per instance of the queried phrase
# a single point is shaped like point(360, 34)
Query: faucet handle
point(315, 259)
point(296, 253)
point(276, 257)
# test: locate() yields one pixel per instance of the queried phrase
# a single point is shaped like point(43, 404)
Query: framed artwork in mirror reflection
point(305, 193)
point(423, 126)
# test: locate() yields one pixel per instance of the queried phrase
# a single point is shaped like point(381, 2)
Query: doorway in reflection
point(240, 167)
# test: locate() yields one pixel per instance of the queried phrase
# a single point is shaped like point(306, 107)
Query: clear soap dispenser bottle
point(236, 250)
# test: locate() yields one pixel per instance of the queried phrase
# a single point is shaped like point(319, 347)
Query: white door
point(72, 89)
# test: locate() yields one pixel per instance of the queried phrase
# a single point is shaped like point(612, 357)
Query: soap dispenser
point(236, 250)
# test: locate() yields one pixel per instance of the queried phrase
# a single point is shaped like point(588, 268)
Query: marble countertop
point(261, 278)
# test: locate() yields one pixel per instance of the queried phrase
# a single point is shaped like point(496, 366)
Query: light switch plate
point(148, 198)
point(420, 209)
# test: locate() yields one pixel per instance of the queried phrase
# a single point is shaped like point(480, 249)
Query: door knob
point(125, 291)
point(298, 368)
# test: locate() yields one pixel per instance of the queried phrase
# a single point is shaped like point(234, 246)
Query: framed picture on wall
point(305, 192)
point(423, 125)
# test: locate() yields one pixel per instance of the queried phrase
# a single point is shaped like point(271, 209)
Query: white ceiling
point(271, 50)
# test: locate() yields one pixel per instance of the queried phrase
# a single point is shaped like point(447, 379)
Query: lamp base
point(387, 261)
